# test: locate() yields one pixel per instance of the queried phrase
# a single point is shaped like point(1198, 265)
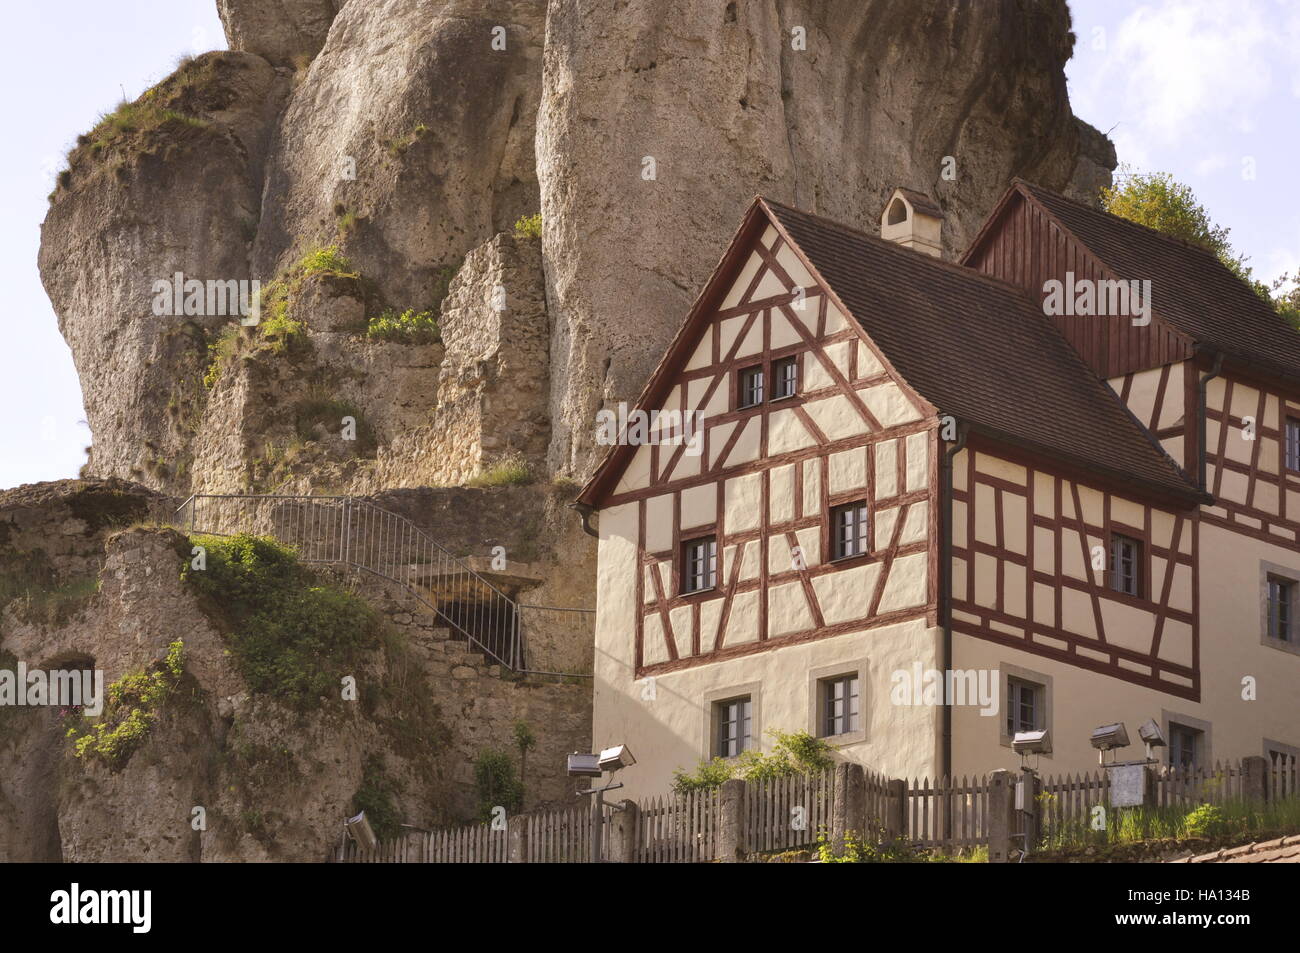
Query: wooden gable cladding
point(1024, 544)
point(1255, 493)
point(1024, 244)
point(766, 477)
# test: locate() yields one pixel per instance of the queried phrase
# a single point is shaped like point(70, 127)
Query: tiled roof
point(1191, 290)
point(978, 348)
point(1284, 850)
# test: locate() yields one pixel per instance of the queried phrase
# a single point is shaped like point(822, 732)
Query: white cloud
point(1186, 66)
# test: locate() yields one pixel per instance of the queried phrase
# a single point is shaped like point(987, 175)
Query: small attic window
point(897, 212)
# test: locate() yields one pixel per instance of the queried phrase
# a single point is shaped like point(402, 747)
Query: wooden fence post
point(849, 807)
point(732, 841)
point(623, 828)
point(517, 839)
point(896, 809)
point(1002, 806)
point(1255, 779)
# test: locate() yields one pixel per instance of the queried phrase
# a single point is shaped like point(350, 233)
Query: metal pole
point(347, 526)
point(597, 820)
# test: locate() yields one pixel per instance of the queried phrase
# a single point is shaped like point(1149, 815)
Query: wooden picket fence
point(792, 812)
point(678, 829)
point(947, 814)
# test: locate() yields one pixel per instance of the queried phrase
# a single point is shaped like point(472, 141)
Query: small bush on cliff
point(291, 637)
point(497, 783)
point(375, 797)
point(409, 327)
point(530, 226)
point(512, 470)
point(130, 711)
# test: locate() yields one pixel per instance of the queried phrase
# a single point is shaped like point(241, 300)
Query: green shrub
point(511, 470)
point(530, 226)
point(1205, 821)
point(130, 711)
point(375, 797)
point(409, 327)
point(794, 753)
point(291, 637)
point(497, 783)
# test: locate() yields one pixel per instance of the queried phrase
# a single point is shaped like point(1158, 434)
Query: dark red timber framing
point(723, 431)
point(1059, 421)
point(1060, 637)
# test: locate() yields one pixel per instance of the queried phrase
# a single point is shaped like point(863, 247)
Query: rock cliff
point(410, 134)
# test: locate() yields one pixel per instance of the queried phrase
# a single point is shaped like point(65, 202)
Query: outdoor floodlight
point(584, 765)
point(359, 830)
point(619, 756)
point(1108, 737)
point(1152, 735)
point(1032, 742)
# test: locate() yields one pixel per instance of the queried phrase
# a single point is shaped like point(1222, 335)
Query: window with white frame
point(1026, 706)
point(849, 530)
point(1125, 564)
point(785, 377)
point(699, 564)
point(751, 386)
point(839, 703)
point(732, 718)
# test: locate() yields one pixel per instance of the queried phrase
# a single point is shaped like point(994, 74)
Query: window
point(699, 564)
point(839, 705)
point(1125, 565)
point(1292, 444)
point(733, 721)
point(1184, 745)
point(785, 377)
point(849, 530)
point(1281, 593)
point(751, 386)
point(1024, 706)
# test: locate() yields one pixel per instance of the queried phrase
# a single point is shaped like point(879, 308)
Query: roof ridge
point(1156, 233)
point(896, 248)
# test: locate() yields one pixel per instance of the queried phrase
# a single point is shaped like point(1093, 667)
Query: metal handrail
point(490, 624)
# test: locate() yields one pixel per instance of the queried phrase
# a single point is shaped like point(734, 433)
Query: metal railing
point(357, 533)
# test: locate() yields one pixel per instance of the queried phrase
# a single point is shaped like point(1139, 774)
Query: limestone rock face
point(140, 203)
point(411, 132)
point(413, 124)
point(661, 121)
point(280, 31)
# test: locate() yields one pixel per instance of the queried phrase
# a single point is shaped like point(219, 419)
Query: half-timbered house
point(905, 467)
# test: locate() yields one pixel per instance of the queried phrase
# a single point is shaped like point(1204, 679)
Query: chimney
point(913, 220)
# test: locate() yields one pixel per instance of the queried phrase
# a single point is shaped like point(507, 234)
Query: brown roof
point(974, 346)
point(1284, 850)
point(980, 349)
point(1191, 290)
point(921, 202)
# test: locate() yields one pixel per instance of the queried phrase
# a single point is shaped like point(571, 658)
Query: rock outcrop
point(273, 781)
point(411, 132)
